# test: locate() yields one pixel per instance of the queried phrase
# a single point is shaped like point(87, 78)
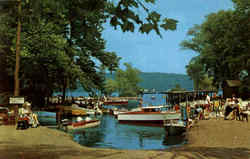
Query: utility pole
point(18, 35)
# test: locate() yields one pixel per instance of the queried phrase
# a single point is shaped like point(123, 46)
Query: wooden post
point(58, 117)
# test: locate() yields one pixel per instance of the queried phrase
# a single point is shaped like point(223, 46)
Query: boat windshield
point(152, 110)
point(153, 99)
point(156, 108)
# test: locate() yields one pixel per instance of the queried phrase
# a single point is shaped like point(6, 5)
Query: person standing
point(216, 107)
point(238, 110)
point(207, 102)
point(207, 99)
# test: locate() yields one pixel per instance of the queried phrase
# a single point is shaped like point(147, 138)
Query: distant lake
point(76, 93)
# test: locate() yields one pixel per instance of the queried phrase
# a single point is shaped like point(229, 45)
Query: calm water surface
point(111, 134)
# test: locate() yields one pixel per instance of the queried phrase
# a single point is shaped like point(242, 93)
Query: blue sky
point(149, 52)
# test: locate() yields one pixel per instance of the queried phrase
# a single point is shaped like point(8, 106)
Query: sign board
point(16, 100)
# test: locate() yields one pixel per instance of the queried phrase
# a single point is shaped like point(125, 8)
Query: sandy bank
point(208, 140)
point(218, 139)
point(220, 133)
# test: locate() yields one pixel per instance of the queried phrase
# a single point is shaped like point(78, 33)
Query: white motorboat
point(151, 116)
point(79, 124)
point(116, 111)
point(174, 124)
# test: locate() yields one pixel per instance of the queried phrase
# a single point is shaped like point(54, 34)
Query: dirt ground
point(208, 139)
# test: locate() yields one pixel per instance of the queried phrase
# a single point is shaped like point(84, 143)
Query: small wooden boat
point(175, 122)
point(46, 118)
point(79, 124)
point(175, 127)
point(116, 102)
point(116, 111)
point(94, 111)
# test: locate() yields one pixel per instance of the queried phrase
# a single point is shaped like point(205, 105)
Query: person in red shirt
point(176, 107)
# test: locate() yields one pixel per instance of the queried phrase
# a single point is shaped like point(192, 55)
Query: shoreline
point(206, 139)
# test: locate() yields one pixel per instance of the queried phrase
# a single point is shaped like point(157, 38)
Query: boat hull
point(82, 125)
point(175, 130)
point(153, 123)
point(175, 127)
point(115, 103)
point(92, 111)
point(148, 119)
point(46, 118)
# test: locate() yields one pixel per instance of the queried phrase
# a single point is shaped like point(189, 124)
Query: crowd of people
point(217, 107)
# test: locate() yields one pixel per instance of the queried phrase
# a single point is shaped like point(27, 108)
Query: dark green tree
point(62, 42)
point(222, 43)
point(177, 88)
point(125, 82)
point(196, 71)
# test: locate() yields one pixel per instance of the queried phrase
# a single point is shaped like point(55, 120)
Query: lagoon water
point(111, 134)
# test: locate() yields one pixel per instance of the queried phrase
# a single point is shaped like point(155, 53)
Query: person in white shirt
point(207, 99)
point(207, 102)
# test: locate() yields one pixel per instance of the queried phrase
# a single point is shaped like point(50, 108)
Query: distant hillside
point(158, 81)
point(162, 81)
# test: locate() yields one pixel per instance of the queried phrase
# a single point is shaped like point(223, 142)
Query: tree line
point(62, 44)
point(222, 44)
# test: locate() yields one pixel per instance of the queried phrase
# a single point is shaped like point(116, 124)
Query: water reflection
point(111, 134)
point(174, 140)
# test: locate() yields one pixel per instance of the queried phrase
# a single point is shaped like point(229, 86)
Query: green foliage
point(62, 44)
point(223, 43)
point(177, 88)
point(125, 82)
point(196, 71)
point(207, 83)
point(110, 86)
point(122, 14)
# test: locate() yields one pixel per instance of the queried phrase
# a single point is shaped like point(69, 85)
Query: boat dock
point(57, 100)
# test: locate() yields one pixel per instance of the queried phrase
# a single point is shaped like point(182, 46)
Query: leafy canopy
point(125, 82)
point(223, 43)
point(62, 44)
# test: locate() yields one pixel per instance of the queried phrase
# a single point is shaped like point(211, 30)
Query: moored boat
point(116, 111)
point(151, 111)
point(46, 118)
point(174, 124)
point(94, 111)
point(175, 128)
point(116, 102)
point(80, 123)
point(151, 116)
